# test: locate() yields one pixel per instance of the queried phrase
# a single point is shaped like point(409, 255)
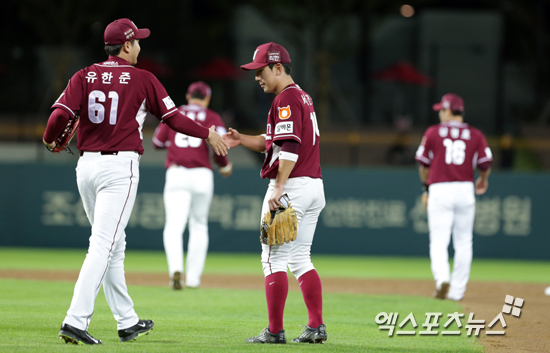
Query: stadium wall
point(368, 212)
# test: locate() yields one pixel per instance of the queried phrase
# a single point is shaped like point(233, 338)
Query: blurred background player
point(448, 154)
point(189, 187)
point(291, 146)
point(112, 99)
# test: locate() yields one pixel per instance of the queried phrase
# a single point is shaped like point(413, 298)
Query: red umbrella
point(404, 72)
point(216, 69)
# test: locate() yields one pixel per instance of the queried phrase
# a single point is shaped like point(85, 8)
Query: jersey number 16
point(455, 151)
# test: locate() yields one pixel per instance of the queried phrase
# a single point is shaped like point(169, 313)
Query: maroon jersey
point(453, 150)
point(187, 151)
point(112, 99)
point(292, 117)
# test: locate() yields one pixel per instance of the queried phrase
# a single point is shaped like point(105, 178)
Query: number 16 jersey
point(452, 151)
point(292, 117)
point(112, 99)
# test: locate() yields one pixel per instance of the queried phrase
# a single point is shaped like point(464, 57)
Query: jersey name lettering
point(124, 78)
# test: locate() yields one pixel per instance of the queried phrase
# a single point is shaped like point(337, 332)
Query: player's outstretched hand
point(216, 141)
point(232, 138)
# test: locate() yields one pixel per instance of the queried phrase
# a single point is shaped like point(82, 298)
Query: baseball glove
point(281, 226)
point(64, 139)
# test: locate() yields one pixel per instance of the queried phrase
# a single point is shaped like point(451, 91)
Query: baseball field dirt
point(528, 333)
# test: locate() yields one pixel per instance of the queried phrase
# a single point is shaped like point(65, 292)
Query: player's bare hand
point(232, 138)
point(481, 186)
point(49, 145)
point(424, 199)
point(215, 140)
point(227, 170)
point(273, 201)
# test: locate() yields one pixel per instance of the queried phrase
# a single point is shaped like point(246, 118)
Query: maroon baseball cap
point(450, 101)
point(265, 54)
point(200, 86)
point(123, 30)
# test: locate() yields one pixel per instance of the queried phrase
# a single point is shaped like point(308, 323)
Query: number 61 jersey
point(452, 151)
point(112, 99)
point(292, 117)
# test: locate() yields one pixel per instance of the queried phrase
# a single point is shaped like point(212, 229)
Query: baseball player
point(448, 155)
point(291, 147)
point(189, 187)
point(112, 99)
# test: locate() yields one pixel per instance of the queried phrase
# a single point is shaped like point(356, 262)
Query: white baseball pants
point(187, 196)
point(307, 197)
point(108, 186)
point(451, 209)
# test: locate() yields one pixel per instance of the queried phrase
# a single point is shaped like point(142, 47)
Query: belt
point(102, 152)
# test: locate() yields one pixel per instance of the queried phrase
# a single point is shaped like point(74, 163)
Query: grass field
point(210, 320)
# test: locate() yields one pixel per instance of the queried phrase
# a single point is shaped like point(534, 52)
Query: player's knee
point(299, 268)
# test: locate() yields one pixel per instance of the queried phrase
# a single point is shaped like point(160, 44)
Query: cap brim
point(253, 66)
point(142, 33)
point(437, 107)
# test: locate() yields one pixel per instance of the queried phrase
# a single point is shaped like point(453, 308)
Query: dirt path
point(528, 333)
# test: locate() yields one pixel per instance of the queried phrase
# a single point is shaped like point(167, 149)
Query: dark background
point(372, 72)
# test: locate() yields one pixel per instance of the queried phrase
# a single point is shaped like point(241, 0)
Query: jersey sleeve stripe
point(67, 108)
point(483, 160)
point(157, 142)
point(286, 136)
point(423, 159)
point(170, 112)
point(288, 156)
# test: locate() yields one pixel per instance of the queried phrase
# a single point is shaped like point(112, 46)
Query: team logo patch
point(274, 56)
point(284, 112)
point(284, 128)
point(168, 102)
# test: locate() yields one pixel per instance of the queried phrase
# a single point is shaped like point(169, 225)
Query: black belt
point(102, 152)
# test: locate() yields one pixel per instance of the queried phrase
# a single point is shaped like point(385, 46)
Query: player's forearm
point(255, 143)
point(484, 174)
point(56, 123)
point(285, 168)
point(184, 125)
point(423, 172)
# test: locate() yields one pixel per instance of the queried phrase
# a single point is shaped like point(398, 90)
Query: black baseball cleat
point(312, 335)
point(131, 333)
point(176, 281)
point(73, 335)
point(267, 337)
point(442, 292)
